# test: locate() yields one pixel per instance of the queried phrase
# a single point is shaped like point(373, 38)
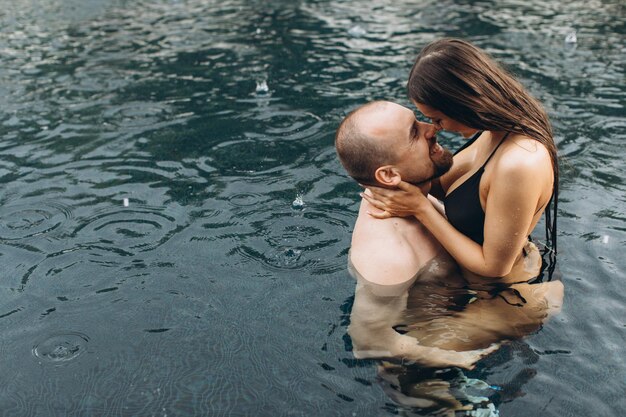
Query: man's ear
point(388, 175)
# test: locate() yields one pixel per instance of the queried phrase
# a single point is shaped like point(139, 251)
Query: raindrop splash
point(298, 203)
point(61, 347)
point(261, 87)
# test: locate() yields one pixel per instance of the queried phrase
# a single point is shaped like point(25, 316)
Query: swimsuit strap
point(469, 142)
point(495, 149)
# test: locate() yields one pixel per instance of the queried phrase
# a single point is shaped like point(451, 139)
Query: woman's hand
point(406, 200)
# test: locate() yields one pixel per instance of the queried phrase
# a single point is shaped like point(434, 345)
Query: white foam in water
point(298, 203)
point(571, 37)
point(261, 87)
point(489, 411)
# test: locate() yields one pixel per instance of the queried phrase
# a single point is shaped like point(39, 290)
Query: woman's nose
point(437, 127)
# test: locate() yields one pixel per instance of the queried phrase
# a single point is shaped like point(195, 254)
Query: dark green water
point(221, 289)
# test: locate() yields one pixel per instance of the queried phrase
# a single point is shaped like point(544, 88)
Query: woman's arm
point(437, 204)
point(511, 204)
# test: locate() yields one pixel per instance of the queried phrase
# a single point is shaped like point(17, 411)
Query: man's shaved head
point(359, 147)
point(381, 143)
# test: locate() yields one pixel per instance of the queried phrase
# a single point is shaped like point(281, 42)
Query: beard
point(442, 163)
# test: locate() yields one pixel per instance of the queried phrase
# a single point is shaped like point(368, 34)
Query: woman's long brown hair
point(467, 85)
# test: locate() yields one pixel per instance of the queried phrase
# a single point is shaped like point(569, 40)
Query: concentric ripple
point(249, 156)
point(293, 124)
point(21, 221)
point(61, 347)
point(293, 242)
point(245, 199)
point(128, 229)
point(135, 114)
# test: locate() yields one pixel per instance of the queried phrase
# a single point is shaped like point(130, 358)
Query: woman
point(502, 180)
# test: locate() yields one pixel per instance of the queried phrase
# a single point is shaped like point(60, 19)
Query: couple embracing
point(460, 222)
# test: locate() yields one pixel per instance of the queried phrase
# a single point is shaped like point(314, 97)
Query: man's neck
point(423, 186)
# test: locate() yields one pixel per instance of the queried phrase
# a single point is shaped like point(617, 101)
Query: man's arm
point(373, 336)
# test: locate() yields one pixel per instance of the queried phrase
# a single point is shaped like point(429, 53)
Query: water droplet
point(298, 203)
point(261, 87)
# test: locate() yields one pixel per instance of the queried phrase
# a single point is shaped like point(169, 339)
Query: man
point(381, 143)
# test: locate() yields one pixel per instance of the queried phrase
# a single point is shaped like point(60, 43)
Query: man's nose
point(431, 130)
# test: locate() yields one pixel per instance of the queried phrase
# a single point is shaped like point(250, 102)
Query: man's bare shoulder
point(389, 251)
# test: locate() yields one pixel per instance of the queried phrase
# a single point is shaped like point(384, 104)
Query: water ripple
point(127, 231)
point(287, 242)
point(245, 199)
point(32, 219)
point(216, 122)
point(60, 348)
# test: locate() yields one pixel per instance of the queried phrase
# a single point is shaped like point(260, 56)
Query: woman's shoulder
point(524, 162)
point(521, 153)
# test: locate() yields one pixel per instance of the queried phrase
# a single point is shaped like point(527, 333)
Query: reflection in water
point(449, 321)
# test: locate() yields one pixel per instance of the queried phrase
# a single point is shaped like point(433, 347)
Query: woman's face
point(441, 121)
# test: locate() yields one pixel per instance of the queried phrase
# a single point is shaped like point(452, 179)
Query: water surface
point(221, 289)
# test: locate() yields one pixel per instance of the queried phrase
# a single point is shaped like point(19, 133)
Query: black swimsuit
point(463, 204)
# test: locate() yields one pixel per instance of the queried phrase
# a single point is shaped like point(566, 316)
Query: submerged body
point(412, 304)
